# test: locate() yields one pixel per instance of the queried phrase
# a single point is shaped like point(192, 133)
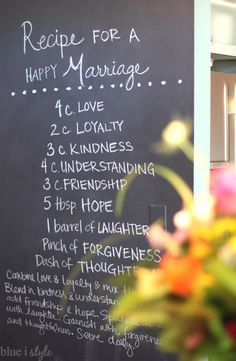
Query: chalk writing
point(87, 84)
point(107, 70)
point(52, 40)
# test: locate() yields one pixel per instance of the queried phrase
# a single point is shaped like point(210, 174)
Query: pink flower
point(181, 235)
point(194, 340)
point(159, 238)
point(223, 187)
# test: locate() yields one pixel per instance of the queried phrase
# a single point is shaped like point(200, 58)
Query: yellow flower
point(183, 219)
point(199, 213)
point(200, 248)
point(200, 285)
point(232, 243)
point(148, 282)
point(218, 230)
point(176, 133)
point(203, 208)
point(227, 252)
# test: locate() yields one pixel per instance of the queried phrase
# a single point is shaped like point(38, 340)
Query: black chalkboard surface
point(86, 88)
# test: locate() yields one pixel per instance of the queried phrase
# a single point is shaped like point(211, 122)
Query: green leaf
point(218, 331)
point(224, 275)
point(133, 311)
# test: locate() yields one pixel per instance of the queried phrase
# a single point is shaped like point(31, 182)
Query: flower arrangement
point(191, 297)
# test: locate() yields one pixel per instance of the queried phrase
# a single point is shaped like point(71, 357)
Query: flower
point(159, 238)
point(193, 340)
point(203, 208)
point(227, 255)
point(231, 329)
point(148, 281)
point(192, 291)
point(184, 275)
point(201, 212)
point(200, 248)
point(176, 133)
point(180, 273)
point(183, 219)
point(223, 187)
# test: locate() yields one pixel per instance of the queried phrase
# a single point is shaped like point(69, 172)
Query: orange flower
point(181, 273)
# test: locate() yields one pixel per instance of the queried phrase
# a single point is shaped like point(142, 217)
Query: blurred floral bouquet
point(191, 297)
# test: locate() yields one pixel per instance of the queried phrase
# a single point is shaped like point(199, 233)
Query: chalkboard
point(86, 89)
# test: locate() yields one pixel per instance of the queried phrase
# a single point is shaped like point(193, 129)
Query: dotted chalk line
point(90, 87)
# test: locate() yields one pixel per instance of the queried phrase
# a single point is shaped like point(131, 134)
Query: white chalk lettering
point(101, 71)
point(67, 205)
point(133, 35)
point(105, 267)
point(57, 227)
point(119, 252)
point(56, 246)
point(40, 74)
point(89, 205)
point(105, 35)
point(75, 167)
point(88, 336)
point(81, 107)
point(50, 41)
point(99, 127)
point(75, 184)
